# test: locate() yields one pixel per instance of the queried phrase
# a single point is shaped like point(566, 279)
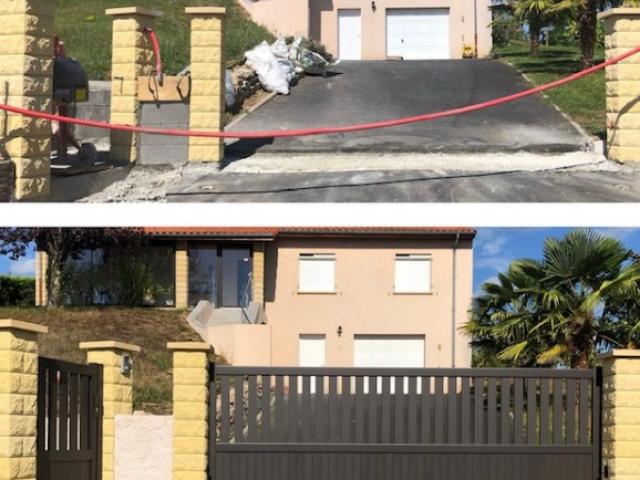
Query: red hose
point(156, 50)
point(325, 130)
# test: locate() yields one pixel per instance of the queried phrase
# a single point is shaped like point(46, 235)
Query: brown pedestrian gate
point(397, 424)
point(69, 420)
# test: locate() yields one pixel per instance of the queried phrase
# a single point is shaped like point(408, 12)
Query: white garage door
point(349, 34)
point(395, 351)
point(418, 34)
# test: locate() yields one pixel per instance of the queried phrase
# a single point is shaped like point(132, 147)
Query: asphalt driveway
point(371, 91)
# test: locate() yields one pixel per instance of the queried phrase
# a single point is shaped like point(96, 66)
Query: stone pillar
point(182, 274)
point(622, 30)
point(207, 82)
point(621, 415)
point(190, 409)
point(258, 272)
point(18, 399)
point(117, 392)
point(26, 80)
point(42, 293)
point(132, 57)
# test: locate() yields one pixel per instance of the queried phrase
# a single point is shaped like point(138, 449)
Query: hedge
point(17, 291)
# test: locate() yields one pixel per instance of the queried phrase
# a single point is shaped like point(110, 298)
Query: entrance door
point(418, 34)
point(349, 34)
point(69, 421)
point(235, 277)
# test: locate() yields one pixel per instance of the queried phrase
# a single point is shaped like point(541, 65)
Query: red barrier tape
point(325, 130)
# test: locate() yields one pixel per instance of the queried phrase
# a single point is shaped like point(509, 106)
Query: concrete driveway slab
point(372, 91)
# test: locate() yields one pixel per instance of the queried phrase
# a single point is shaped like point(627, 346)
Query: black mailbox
point(70, 82)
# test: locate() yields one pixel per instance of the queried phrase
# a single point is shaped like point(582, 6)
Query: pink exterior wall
point(242, 345)
point(282, 17)
point(365, 302)
point(319, 19)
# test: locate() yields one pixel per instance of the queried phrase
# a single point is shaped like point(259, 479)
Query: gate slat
point(557, 411)
point(224, 409)
point(386, 409)
point(292, 404)
point(306, 408)
point(252, 409)
point(85, 427)
point(465, 411)
point(518, 424)
point(412, 418)
point(372, 424)
point(346, 409)
point(359, 411)
point(491, 412)
point(279, 431)
point(73, 411)
point(583, 412)
point(399, 410)
point(321, 419)
point(544, 411)
point(333, 409)
point(571, 411)
point(266, 408)
point(238, 410)
point(426, 405)
point(532, 411)
point(452, 427)
point(505, 411)
point(52, 430)
point(63, 413)
point(478, 403)
point(439, 410)
point(42, 406)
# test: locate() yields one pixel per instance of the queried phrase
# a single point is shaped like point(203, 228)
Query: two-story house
point(380, 29)
point(363, 297)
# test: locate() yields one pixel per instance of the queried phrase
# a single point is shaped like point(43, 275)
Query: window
point(317, 273)
point(311, 354)
point(413, 273)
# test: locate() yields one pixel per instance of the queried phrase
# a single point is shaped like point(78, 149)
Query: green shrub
point(17, 291)
point(505, 27)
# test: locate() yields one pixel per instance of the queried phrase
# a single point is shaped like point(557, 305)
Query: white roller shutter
point(317, 273)
point(389, 351)
point(418, 34)
point(349, 34)
point(412, 273)
point(311, 353)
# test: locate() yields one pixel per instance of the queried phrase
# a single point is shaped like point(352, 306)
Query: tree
point(537, 14)
point(61, 245)
point(561, 309)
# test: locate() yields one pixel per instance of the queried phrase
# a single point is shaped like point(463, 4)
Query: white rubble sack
point(272, 76)
point(229, 89)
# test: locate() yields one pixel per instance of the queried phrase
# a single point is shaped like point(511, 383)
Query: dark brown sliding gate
point(444, 424)
point(69, 420)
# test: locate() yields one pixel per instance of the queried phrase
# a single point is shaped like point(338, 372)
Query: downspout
point(475, 27)
point(453, 302)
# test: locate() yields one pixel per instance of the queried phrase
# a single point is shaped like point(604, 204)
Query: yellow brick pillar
point(42, 293)
point(622, 33)
point(132, 57)
point(117, 391)
point(258, 272)
point(621, 414)
point(190, 409)
point(26, 80)
point(182, 274)
point(207, 103)
point(18, 399)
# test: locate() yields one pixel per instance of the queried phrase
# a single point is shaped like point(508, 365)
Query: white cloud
point(497, 264)
point(25, 267)
point(621, 234)
point(493, 246)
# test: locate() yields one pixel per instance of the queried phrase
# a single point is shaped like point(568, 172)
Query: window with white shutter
point(413, 273)
point(317, 273)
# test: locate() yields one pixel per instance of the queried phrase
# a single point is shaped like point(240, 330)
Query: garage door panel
point(418, 34)
point(349, 34)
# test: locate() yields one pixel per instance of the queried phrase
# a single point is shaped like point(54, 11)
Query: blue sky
point(494, 248)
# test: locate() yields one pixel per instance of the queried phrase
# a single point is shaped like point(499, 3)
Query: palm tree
point(536, 13)
point(559, 310)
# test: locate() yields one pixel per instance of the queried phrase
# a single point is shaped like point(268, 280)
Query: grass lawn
point(86, 31)
point(583, 100)
point(151, 329)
